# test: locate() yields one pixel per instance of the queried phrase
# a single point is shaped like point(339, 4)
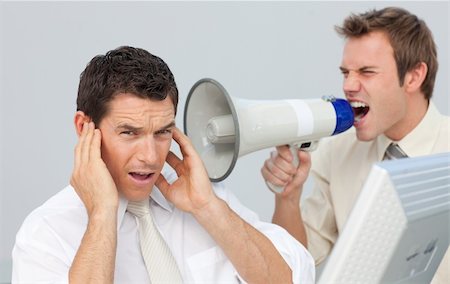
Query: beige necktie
point(394, 152)
point(160, 263)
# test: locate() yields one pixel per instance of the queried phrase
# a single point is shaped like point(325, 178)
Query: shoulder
point(63, 201)
point(445, 123)
point(62, 209)
point(434, 118)
point(49, 237)
point(442, 143)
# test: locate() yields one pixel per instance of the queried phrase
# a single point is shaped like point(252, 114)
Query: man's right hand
point(95, 258)
point(280, 171)
point(90, 177)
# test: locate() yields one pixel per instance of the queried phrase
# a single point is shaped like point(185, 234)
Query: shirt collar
point(159, 198)
point(420, 140)
point(123, 203)
point(382, 143)
point(155, 195)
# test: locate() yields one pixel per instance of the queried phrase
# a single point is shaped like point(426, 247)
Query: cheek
point(387, 95)
point(391, 107)
point(114, 155)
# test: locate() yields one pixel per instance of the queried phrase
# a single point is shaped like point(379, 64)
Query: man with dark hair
point(389, 66)
point(122, 220)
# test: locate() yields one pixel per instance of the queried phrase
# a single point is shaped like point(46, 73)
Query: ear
point(415, 77)
point(79, 119)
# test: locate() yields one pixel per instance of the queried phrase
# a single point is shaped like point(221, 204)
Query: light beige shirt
point(339, 168)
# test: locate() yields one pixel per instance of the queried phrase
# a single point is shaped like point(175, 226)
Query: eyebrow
point(129, 127)
point(359, 69)
point(169, 125)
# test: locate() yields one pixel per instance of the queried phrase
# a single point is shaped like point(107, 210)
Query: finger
point(162, 184)
point(175, 162)
point(301, 175)
point(281, 173)
point(186, 148)
point(86, 145)
point(283, 165)
point(304, 157)
point(95, 151)
point(285, 153)
point(78, 147)
point(285, 159)
point(269, 177)
point(295, 186)
point(304, 162)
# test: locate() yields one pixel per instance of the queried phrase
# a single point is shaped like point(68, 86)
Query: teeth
point(357, 104)
point(360, 110)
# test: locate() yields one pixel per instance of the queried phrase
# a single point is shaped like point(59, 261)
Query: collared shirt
point(340, 167)
point(49, 238)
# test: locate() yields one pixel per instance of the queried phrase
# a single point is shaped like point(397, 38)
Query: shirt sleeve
point(317, 208)
point(292, 251)
point(37, 256)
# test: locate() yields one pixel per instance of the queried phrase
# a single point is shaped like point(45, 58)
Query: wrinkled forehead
point(129, 108)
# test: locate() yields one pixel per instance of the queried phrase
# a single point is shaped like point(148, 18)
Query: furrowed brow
point(362, 69)
point(365, 68)
point(170, 125)
point(128, 127)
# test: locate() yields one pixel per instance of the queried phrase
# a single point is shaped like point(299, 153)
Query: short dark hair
point(410, 38)
point(123, 70)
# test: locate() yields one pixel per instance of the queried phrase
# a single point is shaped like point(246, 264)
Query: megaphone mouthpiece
point(220, 129)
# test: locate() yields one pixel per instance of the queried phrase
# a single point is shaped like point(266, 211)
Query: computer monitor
point(398, 230)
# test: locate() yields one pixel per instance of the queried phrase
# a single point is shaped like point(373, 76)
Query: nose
point(146, 151)
point(351, 83)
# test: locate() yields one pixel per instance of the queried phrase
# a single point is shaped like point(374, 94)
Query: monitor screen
point(398, 230)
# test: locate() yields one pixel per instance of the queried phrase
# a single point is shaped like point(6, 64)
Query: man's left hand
point(192, 191)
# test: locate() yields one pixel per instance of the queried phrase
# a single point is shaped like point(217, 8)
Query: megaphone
point(223, 128)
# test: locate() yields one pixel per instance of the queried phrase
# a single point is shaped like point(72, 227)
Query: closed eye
point(344, 71)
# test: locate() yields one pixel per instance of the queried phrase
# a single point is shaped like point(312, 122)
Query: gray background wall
point(257, 50)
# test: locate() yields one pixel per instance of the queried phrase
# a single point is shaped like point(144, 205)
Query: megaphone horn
point(223, 128)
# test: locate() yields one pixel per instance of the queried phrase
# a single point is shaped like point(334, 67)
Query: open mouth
point(140, 176)
point(360, 110)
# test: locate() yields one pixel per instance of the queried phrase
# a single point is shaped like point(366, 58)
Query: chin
point(137, 194)
point(364, 136)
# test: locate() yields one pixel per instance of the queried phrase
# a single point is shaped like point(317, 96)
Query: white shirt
point(49, 238)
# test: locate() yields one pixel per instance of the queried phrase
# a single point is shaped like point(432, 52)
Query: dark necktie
point(394, 152)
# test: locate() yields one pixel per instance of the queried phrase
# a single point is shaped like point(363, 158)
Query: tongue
point(360, 112)
point(140, 177)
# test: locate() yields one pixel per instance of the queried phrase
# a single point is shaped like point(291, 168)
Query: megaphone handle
point(294, 151)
